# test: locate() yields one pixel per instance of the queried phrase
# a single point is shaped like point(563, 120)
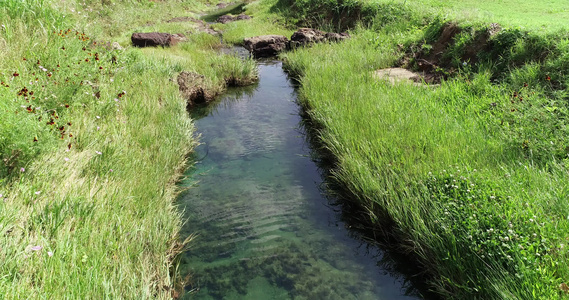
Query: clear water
point(264, 229)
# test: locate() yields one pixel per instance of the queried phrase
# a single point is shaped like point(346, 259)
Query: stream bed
point(264, 228)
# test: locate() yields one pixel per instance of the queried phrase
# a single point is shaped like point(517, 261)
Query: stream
point(265, 229)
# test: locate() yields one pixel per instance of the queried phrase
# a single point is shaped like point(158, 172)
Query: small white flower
point(98, 152)
point(66, 159)
point(98, 117)
point(38, 192)
point(49, 253)
point(464, 63)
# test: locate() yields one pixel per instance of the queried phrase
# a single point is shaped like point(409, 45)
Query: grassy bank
point(469, 177)
point(93, 139)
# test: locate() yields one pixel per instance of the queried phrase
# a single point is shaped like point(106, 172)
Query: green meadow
point(468, 178)
point(530, 15)
point(93, 139)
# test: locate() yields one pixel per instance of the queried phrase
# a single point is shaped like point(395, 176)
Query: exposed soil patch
point(154, 39)
point(394, 75)
point(224, 5)
point(229, 18)
point(308, 36)
point(436, 60)
point(266, 45)
point(193, 88)
point(204, 27)
point(181, 19)
point(434, 57)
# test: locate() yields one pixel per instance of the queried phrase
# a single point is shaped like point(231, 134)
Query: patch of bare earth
point(395, 75)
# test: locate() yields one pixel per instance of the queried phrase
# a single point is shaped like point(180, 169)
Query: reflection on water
point(264, 229)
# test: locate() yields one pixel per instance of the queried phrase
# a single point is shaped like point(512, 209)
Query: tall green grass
point(469, 196)
point(91, 158)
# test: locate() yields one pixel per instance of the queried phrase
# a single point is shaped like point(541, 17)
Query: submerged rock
point(154, 39)
point(192, 87)
point(266, 45)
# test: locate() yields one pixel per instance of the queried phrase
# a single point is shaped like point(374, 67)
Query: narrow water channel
point(264, 229)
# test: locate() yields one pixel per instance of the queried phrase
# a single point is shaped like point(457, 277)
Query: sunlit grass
point(531, 15)
point(93, 140)
point(471, 202)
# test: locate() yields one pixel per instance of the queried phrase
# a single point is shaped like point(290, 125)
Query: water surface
point(265, 231)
